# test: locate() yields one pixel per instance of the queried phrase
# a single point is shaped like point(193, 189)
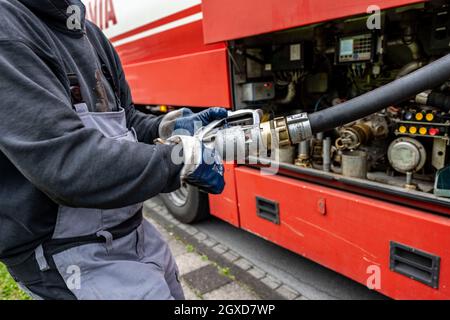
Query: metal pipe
point(410, 67)
point(326, 154)
point(304, 149)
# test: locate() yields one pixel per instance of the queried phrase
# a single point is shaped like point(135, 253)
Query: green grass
point(8, 287)
point(225, 272)
point(190, 248)
point(205, 257)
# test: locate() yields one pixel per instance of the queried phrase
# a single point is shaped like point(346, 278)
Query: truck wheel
point(187, 204)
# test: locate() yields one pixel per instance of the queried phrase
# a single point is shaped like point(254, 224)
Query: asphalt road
point(309, 278)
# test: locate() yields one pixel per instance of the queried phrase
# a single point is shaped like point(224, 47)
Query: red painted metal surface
point(345, 232)
point(175, 67)
point(440, 209)
point(234, 19)
point(225, 206)
point(195, 80)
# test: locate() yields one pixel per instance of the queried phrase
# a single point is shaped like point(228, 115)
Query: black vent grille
point(415, 264)
point(268, 210)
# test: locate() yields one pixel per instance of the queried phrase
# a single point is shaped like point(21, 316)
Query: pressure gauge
point(407, 155)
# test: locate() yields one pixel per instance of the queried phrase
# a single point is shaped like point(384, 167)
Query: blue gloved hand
point(186, 122)
point(203, 166)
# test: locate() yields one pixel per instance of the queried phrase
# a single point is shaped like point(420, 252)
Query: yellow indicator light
point(163, 109)
point(423, 131)
point(429, 117)
point(402, 129)
point(419, 116)
point(413, 130)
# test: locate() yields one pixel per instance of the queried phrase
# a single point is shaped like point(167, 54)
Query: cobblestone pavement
point(211, 271)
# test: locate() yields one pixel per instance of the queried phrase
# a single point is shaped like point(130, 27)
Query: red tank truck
point(369, 199)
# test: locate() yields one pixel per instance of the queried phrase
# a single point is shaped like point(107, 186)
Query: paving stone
point(220, 248)
point(189, 294)
point(206, 279)
point(171, 219)
point(166, 236)
point(257, 273)
point(287, 292)
point(243, 263)
point(200, 236)
point(190, 261)
point(271, 282)
point(191, 230)
point(175, 222)
point(231, 291)
point(231, 256)
point(177, 248)
point(209, 242)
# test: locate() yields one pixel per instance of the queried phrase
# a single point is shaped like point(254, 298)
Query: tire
point(187, 204)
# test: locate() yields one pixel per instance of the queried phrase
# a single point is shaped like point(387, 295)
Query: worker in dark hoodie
point(77, 160)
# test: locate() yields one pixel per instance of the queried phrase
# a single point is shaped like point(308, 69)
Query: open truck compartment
point(402, 151)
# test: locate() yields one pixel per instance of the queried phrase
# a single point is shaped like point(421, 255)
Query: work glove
point(203, 166)
point(186, 122)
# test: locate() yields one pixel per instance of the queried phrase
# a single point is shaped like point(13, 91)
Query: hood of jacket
point(66, 15)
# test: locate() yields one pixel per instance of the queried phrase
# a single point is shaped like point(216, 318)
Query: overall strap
point(75, 89)
point(107, 73)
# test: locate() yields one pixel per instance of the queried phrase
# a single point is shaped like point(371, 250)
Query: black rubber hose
point(439, 100)
point(427, 77)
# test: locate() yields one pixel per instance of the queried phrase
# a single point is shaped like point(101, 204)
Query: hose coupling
point(299, 127)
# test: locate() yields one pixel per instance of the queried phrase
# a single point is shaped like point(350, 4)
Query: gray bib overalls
point(101, 254)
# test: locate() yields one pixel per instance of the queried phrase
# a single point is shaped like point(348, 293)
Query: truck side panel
point(235, 19)
point(194, 80)
point(225, 205)
point(162, 49)
point(344, 232)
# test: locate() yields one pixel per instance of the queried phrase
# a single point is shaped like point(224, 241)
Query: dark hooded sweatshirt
point(47, 157)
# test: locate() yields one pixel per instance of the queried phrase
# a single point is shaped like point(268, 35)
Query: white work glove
point(186, 122)
point(203, 166)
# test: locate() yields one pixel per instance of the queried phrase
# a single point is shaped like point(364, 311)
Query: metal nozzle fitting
point(299, 128)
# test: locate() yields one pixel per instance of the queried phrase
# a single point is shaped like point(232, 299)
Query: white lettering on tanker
point(102, 13)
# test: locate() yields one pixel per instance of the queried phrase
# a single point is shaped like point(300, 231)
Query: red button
point(434, 131)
